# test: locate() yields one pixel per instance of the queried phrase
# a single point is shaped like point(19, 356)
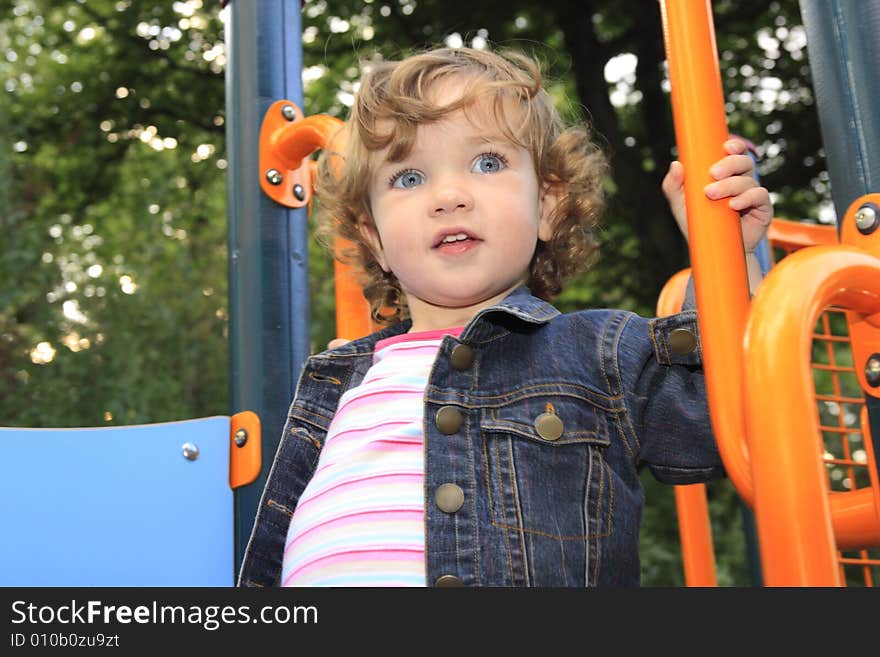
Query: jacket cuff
point(676, 339)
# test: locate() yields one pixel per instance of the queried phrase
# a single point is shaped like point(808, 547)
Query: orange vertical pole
point(352, 310)
point(697, 550)
point(714, 236)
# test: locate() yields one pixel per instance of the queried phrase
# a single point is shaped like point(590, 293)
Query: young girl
point(482, 439)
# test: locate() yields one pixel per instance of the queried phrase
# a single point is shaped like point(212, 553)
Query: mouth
point(455, 240)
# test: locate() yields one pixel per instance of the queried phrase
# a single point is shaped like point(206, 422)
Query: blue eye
point(407, 179)
point(489, 163)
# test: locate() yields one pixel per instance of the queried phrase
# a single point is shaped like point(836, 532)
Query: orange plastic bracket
point(287, 139)
point(244, 449)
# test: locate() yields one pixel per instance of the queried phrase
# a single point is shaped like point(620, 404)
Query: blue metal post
point(268, 264)
point(843, 39)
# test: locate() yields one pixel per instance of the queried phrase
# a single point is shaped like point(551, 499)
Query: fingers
point(729, 187)
point(337, 342)
point(732, 165)
point(673, 181)
point(736, 146)
point(757, 201)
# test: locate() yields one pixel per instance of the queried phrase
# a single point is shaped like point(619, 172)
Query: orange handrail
point(717, 257)
point(792, 235)
point(794, 514)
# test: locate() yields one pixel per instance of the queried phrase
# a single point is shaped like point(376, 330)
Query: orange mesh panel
point(839, 404)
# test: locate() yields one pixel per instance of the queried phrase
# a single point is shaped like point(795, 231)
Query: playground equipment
point(146, 505)
point(762, 396)
point(757, 357)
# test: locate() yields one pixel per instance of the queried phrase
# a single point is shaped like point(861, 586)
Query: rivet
point(682, 341)
point(288, 112)
point(448, 419)
point(872, 370)
point(867, 218)
point(299, 192)
point(448, 581)
point(449, 497)
point(190, 451)
point(240, 438)
point(274, 176)
point(549, 426)
point(461, 357)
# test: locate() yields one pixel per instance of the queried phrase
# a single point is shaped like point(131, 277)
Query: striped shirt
point(361, 518)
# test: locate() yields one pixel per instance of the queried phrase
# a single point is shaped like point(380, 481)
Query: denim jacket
point(541, 422)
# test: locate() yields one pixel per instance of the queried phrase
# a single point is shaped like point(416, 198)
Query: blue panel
point(117, 506)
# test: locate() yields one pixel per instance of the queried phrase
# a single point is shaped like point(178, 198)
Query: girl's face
point(457, 221)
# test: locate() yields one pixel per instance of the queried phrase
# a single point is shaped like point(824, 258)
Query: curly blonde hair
point(393, 101)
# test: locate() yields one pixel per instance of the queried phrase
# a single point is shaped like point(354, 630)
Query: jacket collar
point(486, 324)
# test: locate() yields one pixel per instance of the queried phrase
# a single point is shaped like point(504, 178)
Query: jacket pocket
point(549, 487)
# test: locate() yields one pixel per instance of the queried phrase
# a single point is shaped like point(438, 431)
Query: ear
point(370, 235)
point(551, 194)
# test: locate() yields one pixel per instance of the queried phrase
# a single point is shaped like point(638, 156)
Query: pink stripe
point(379, 515)
point(376, 554)
point(368, 429)
point(419, 335)
point(384, 396)
point(386, 478)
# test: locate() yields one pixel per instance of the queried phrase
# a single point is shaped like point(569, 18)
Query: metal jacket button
point(449, 497)
point(682, 341)
point(448, 580)
point(462, 356)
point(448, 420)
point(549, 426)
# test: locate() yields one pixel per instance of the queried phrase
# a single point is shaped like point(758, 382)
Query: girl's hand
point(734, 177)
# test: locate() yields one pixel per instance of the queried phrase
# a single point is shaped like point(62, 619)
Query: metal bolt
point(288, 112)
point(867, 218)
point(872, 370)
point(190, 451)
point(299, 192)
point(240, 438)
point(274, 176)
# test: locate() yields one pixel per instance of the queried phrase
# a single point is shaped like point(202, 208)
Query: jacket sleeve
point(292, 467)
point(664, 390)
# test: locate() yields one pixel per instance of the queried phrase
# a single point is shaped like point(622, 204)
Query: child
point(482, 439)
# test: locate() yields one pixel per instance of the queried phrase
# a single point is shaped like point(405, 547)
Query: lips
point(449, 237)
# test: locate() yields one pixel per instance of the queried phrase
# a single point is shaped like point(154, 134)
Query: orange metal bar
point(793, 235)
point(715, 240)
point(694, 529)
point(352, 310)
point(794, 511)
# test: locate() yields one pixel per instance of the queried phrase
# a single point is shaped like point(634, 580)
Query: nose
point(451, 196)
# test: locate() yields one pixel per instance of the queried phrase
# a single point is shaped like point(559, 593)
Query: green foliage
point(115, 215)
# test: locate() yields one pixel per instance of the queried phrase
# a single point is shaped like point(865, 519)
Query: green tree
point(113, 269)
